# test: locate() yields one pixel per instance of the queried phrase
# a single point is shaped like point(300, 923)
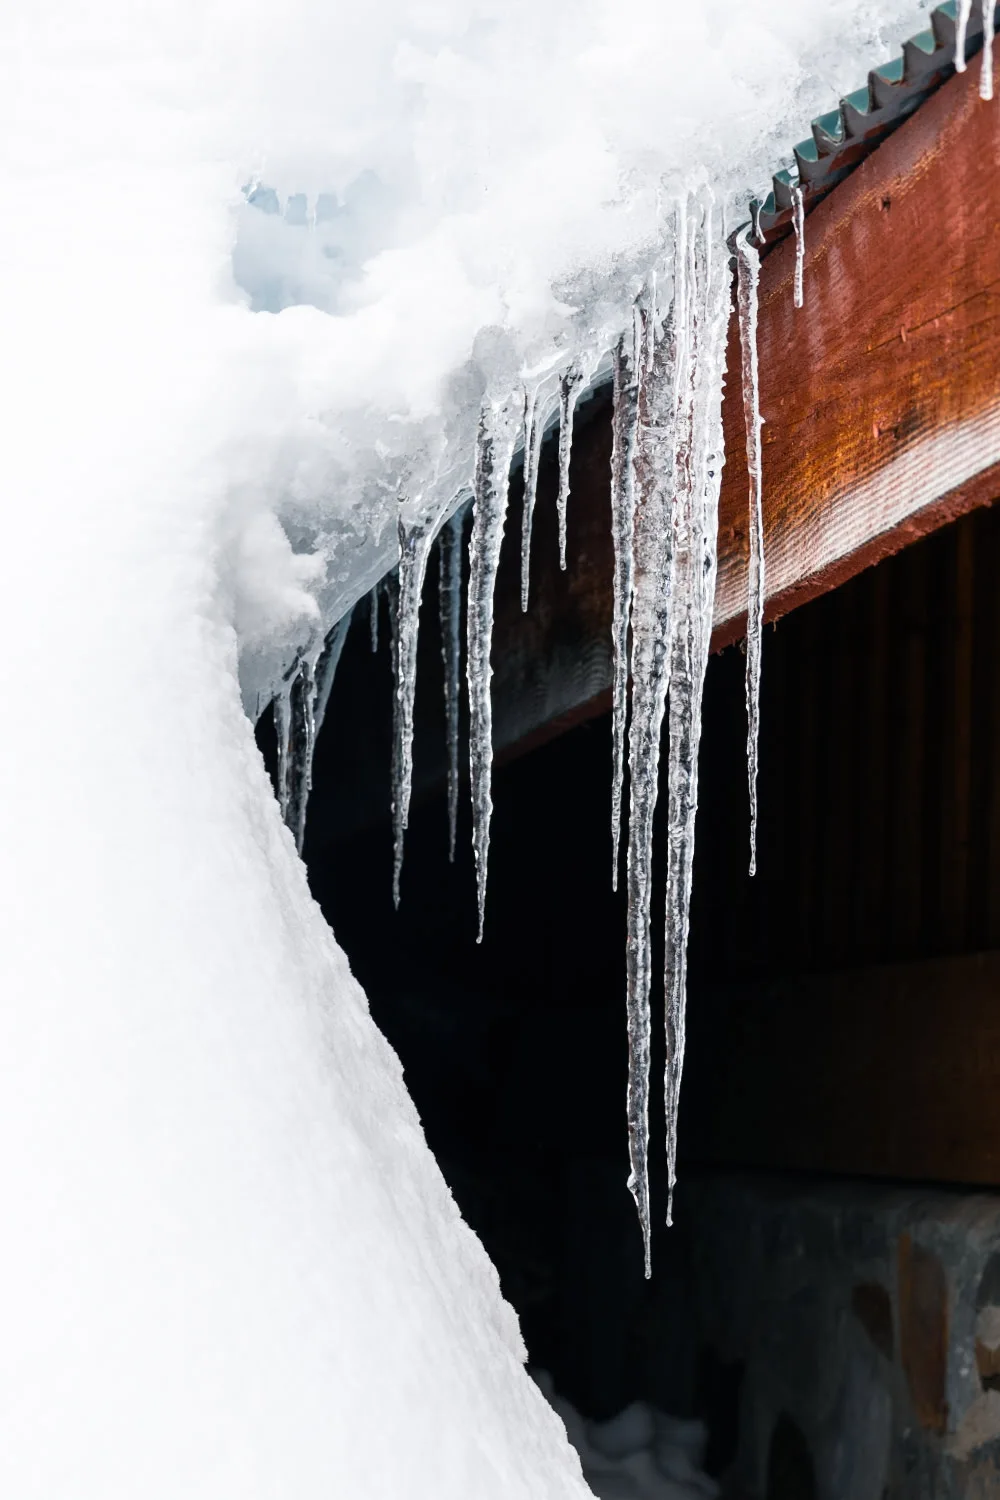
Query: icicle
point(654, 494)
point(326, 669)
point(799, 223)
point(961, 27)
point(282, 727)
point(698, 472)
point(299, 756)
point(748, 272)
point(494, 451)
point(415, 542)
point(450, 600)
point(373, 601)
point(569, 394)
point(534, 428)
point(392, 592)
point(989, 30)
point(625, 372)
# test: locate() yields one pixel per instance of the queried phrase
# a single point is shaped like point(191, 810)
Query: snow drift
point(230, 1267)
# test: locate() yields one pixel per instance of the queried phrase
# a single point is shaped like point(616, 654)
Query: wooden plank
point(882, 406)
point(892, 1071)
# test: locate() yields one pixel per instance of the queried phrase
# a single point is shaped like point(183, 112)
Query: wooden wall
point(846, 1005)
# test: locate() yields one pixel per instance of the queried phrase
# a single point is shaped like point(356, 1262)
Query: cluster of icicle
point(667, 369)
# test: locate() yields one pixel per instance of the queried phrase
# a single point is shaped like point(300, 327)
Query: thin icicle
point(305, 710)
point(799, 224)
point(694, 552)
point(326, 668)
point(748, 273)
point(651, 604)
point(282, 729)
point(299, 757)
point(989, 30)
point(534, 428)
point(625, 374)
point(415, 540)
point(373, 602)
point(961, 28)
point(450, 603)
point(494, 451)
point(570, 389)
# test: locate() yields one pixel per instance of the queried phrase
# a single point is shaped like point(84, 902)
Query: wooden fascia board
point(881, 400)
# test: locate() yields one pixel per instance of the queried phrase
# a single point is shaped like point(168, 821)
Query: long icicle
point(748, 273)
point(694, 554)
point(570, 389)
point(989, 30)
point(301, 742)
point(450, 605)
point(651, 608)
point(282, 731)
point(494, 452)
point(534, 428)
point(799, 225)
point(415, 541)
point(625, 385)
point(305, 711)
point(373, 602)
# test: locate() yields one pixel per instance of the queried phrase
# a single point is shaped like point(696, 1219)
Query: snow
point(641, 1454)
point(231, 1268)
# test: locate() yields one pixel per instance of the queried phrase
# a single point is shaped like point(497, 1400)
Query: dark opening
point(880, 808)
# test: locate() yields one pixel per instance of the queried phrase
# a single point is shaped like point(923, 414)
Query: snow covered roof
point(846, 135)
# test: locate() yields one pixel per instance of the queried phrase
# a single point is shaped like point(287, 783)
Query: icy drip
point(494, 452)
point(651, 596)
point(625, 375)
point(415, 542)
point(391, 587)
point(299, 755)
point(570, 388)
point(326, 670)
point(534, 428)
point(282, 728)
point(450, 602)
point(699, 458)
point(373, 601)
point(799, 225)
point(748, 273)
point(961, 28)
point(989, 28)
point(299, 711)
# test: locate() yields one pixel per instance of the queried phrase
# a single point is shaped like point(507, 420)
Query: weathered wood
point(881, 400)
point(892, 1071)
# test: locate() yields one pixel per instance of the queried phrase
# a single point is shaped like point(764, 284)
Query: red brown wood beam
point(881, 399)
point(881, 396)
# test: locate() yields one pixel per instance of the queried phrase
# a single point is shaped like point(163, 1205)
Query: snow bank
point(230, 1267)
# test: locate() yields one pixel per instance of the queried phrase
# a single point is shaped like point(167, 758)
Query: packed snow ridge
point(231, 1266)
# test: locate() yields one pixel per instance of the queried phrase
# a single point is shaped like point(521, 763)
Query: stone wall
point(866, 1323)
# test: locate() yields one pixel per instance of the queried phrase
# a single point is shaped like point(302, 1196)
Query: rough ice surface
point(266, 267)
point(533, 432)
point(748, 273)
point(495, 449)
point(652, 584)
point(570, 388)
point(799, 227)
point(695, 521)
point(415, 542)
point(450, 608)
point(625, 415)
